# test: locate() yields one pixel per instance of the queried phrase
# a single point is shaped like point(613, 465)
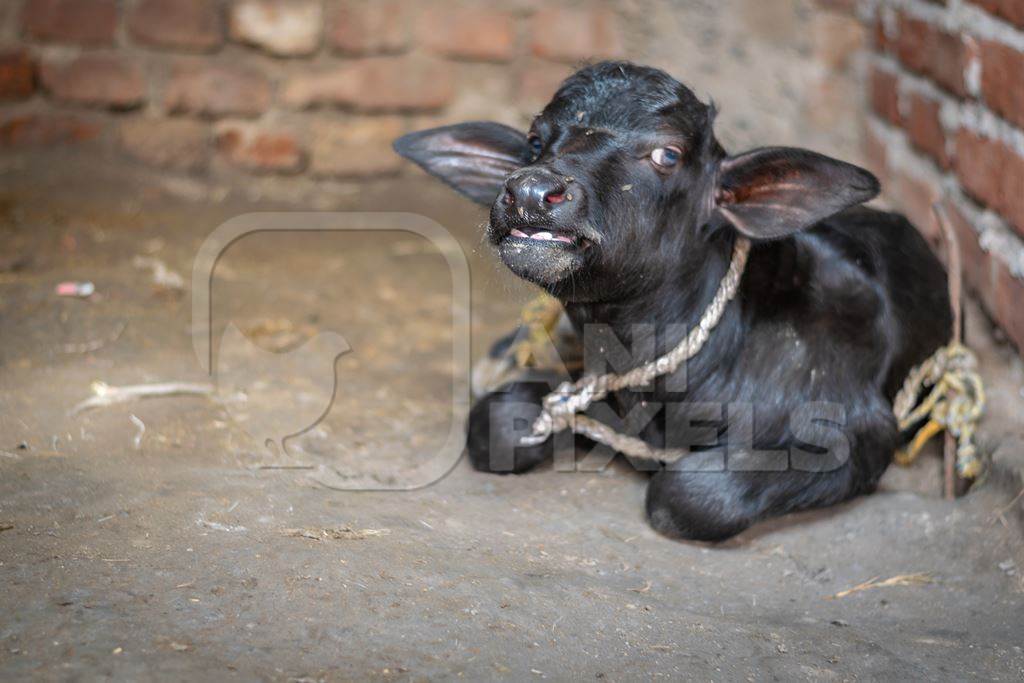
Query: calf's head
point(620, 178)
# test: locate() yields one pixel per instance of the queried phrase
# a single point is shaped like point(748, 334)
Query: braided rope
point(560, 408)
point(630, 446)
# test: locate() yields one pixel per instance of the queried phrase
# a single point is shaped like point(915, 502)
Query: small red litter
point(81, 290)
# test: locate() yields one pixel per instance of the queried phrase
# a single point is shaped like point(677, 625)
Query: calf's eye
point(666, 157)
point(536, 147)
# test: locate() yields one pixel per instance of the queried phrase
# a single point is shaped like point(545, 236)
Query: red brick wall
point(289, 87)
point(945, 122)
point(279, 92)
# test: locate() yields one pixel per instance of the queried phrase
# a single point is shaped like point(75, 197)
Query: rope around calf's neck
point(560, 408)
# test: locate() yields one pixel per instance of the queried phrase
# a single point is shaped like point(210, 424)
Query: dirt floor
point(163, 537)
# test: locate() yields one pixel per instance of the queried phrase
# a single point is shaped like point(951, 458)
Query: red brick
point(170, 143)
point(1009, 309)
point(1002, 80)
point(932, 52)
point(364, 27)
point(468, 32)
point(101, 80)
point(360, 147)
point(82, 22)
point(1010, 10)
point(258, 149)
point(217, 90)
point(376, 84)
point(879, 40)
point(17, 75)
point(884, 95)
point(286, 28)
point(925, 130)
point(537, 83)
point(571, 35)
point(185, 24)
point(884, 40)
point(993, 174)
point(977, 267)
point(39, 130)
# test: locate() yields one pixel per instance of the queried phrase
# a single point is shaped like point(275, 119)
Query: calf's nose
point(534, 191)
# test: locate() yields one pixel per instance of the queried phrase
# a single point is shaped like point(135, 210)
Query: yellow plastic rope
point(955, 402)
point(540, 317)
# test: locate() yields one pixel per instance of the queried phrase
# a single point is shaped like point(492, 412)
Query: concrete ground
point(162, 538)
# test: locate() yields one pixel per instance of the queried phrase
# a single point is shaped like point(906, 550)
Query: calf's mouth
point(541, 254)
point(547, 234)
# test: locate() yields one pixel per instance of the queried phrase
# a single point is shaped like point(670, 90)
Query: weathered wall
point(781, 71)
point(308, 94)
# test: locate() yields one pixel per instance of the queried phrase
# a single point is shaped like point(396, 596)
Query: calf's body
point(788, 405)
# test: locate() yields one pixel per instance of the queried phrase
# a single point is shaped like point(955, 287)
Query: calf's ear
point(474, 157)
point(775, 191)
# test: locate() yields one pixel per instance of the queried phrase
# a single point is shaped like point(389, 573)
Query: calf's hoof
point(497, 423)
point(696, 506)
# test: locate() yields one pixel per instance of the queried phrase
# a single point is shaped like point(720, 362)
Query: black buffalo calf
point(620, 202)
